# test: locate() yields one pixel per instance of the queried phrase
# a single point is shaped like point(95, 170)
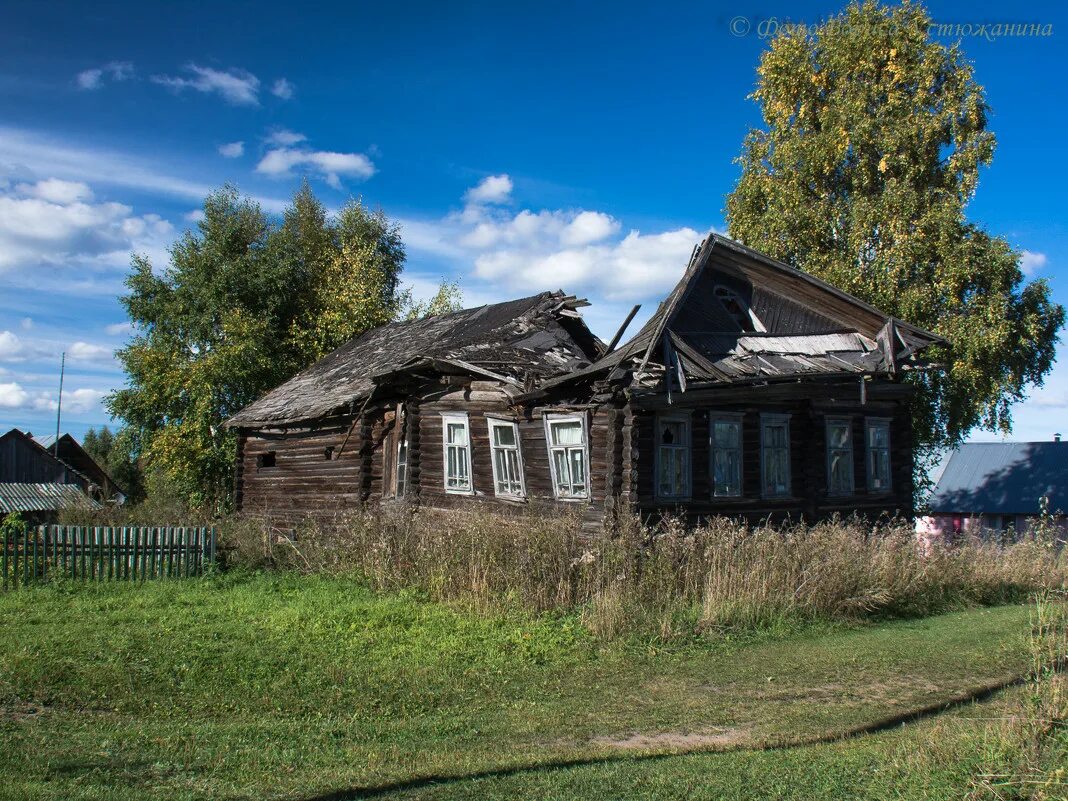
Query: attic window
point(328, 453)
point(738, 309)
point(265, 460)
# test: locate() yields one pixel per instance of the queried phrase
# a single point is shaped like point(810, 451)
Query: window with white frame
point(507, 460)
point(839, 456)
point(878, 435)
point(566, 437)
point(725, 445)
point(456, 441)
point(673, 456)
point(775, 454)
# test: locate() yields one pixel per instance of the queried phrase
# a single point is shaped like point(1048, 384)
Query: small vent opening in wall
point(265, 460)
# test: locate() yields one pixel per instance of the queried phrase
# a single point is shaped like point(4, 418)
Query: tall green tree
point(873, 138)
point(116, 452)
point(243, 305)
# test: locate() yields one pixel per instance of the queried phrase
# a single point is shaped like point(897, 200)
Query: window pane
point(727, 433)
point(841, 471)
point(457, 433)
point(879, 435)
point(775, 435)
point(880, 469)
point(567, 432)
point(776, 468)
point(503, 435)
point(672, 432)
point(578, 471)
point(838, 434)
point(563, 473)
point(512, 471)
point(726, 472)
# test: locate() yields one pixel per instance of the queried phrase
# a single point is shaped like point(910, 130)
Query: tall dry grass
point(723, 574)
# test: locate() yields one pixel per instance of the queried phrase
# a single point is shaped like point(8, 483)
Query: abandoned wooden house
point(754, 390)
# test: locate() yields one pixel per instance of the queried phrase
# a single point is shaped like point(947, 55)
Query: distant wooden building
point(37, 483)
point(754, 390)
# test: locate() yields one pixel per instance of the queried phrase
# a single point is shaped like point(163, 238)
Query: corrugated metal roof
point(1003, 478)
point(42, 497)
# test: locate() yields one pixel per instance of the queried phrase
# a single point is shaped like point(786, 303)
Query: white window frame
point(738, 419)
point(401, 487)
point(497, 422)
point(456, 417)
point(549, 420)
point(766, 420)
point(848, 423)
point(686, 447)
point(869, 452)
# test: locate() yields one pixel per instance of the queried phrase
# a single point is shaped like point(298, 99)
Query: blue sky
point(582, 146)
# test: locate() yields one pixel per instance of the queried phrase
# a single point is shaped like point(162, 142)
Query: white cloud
point(284, 138)
point(194, 216)
point(1031, 263)
point(55, 190)
point(70, 232)
point(119, 329)
point(15, 349)
point(94, 78)
point(36, 153)
point(283, 158)
point(282, 88)
point(12, 396)
point(77, 401)
point(26, 323)
point(237, 86)
point(580, 250)
point(232, 150)
point(492, 189)
point(86, 352)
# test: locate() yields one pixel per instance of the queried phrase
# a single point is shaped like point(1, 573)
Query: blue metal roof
point(1003, 478)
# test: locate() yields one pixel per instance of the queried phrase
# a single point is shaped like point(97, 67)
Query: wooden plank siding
point(621, 464)
point(810, 498)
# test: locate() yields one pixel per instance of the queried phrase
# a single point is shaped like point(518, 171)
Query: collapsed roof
point(736, 316)
point(739, 316)
point(519, 342)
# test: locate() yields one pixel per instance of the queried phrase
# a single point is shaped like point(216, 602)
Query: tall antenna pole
point(59, 405)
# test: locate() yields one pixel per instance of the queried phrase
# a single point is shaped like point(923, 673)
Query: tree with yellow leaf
point(873, 138)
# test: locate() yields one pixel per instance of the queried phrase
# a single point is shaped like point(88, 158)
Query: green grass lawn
point(312, 688)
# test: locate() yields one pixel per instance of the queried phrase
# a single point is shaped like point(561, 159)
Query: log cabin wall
point(808, 408)
point(482, 400)
point(297, 473)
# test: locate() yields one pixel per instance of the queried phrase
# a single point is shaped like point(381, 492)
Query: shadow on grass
point(976, 695)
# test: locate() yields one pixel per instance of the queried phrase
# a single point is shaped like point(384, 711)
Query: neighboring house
point(994, 488)
point(37, 484)
point(71, 452)
point(754, 390)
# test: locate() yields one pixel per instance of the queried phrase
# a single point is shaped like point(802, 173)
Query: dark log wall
point(808, 454)
point(482, 399)
point(303, 482)
point(622, 455)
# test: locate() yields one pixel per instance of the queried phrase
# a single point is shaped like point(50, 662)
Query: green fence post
point(6, 537)
point(25, 555)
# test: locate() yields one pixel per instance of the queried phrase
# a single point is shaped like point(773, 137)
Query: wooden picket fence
point(98, 553)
